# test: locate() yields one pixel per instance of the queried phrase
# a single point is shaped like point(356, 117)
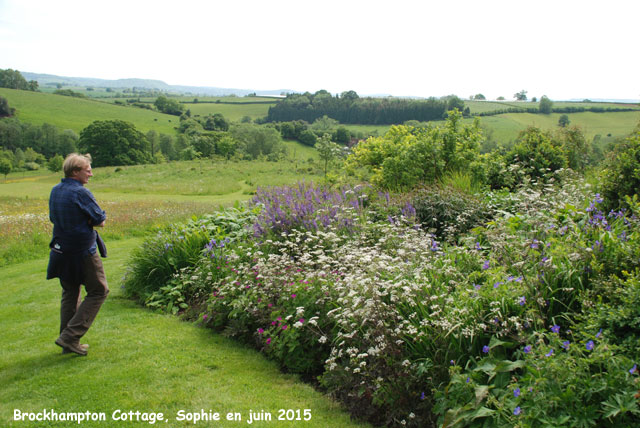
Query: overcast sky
point(561, 48)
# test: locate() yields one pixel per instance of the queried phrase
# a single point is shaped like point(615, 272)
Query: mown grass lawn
point(138, 360)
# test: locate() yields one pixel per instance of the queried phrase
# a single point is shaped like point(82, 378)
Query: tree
point(453, 102)
point(546, 105)
point(479, 97)
point(168, 106)
point(226, 147)
point(5, 167)
point(114, 142)
point(13, 79)
point(152, 138)
point(343, 136)
point(538, 153)
point(67, 142)
point(55, 163)
point(500, 98)
point(563, 120)
point(167, 148)
point(308, 138)
point(328, 151)
point(520, 96)
point(258, 141)
point(349, 95)
point(5, 110)
point(324, 125)
point(217, 122)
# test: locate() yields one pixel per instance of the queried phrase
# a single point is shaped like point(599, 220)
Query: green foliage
point(69, 93)
point(560, 379)
point(15, 80)
point(5, 110)
point(397, 321)
point(169, 106)
point(520, 96)
point(563, 120)
point(217, 122)
point(178, 247)
point(537, 153)
point(353, 109)
point(308, 138)
point(328, 151)
point(406, 156)
point(546, 105)
point(448, 212)
point(114, 142)
point(621, 174)
point(257, 141)
point(5, 167)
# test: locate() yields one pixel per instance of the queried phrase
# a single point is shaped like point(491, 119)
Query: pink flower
point(293, 296)
point(301, 320)
point(268, 341)
point(260, 330)
point(284, 327)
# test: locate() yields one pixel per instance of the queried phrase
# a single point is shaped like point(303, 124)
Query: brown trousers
point(76, 315)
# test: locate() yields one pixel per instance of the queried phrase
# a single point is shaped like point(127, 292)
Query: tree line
point(13, 79)
point(348, 107)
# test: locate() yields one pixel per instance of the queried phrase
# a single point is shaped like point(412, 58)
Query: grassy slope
point(138, 360)
point(75, 113)
point(507, 126)
point(485, 106)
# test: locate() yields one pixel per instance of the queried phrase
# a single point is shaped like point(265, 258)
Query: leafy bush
point(622, 172)
point(181, 246)
point(406, 156)
point(447, 211)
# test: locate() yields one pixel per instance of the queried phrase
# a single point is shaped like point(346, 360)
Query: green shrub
point(448, 211)
point(621, 176)
point(181, 246)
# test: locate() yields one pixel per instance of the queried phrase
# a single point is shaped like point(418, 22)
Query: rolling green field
point(232, 111)
point(139, 199)
point(76, 113)
point(506, 127)
point(232, 108)
point(487, 106)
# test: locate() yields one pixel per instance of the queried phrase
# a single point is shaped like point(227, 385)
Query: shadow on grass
point(29, 367)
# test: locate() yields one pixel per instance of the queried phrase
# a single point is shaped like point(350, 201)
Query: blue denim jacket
point(74, 211)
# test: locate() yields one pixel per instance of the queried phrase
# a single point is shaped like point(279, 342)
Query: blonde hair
point(75, 162)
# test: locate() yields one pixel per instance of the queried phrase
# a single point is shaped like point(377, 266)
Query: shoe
point(68, 351)
point(73, 347)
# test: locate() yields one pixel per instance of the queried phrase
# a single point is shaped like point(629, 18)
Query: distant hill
point(50, 79)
